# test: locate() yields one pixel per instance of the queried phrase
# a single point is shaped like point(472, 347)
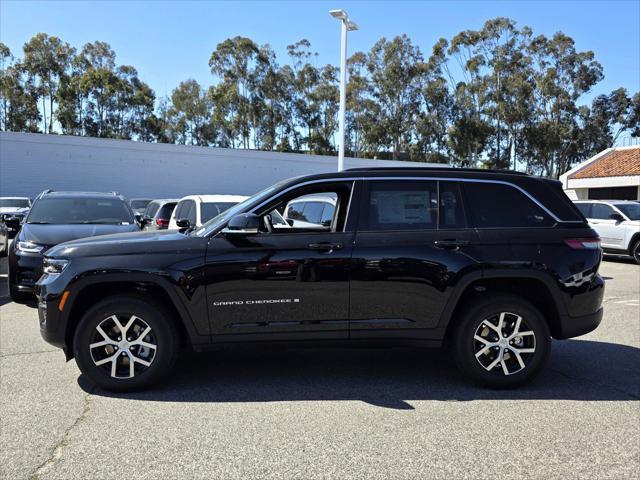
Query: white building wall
point(30, 163)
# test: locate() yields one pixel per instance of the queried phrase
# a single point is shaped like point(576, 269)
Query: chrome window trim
point(444, 179)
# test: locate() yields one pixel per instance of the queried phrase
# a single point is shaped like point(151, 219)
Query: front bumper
point(50, 318)
point(24, 270)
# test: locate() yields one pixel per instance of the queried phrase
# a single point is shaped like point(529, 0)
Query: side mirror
point(326, 223)
point(183, 223)
point(137, 216)
point(617, 217)
point(242, 225)
point(290, 221)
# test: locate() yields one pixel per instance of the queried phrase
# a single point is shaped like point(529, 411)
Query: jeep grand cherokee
point(494, 264)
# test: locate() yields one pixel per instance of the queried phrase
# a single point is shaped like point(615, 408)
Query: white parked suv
point(617, 222)
point(311, 211)
point(199, 209)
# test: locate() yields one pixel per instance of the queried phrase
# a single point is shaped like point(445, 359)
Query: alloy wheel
point(503, 343)
point(123, 345)
point(636, 252)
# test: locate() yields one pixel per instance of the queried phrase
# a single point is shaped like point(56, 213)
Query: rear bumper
point(575, 326)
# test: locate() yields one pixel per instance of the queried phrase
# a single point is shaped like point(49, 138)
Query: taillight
point(162, 222)
point(583, 243)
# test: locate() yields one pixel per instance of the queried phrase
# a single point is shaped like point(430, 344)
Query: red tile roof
point(617, 163)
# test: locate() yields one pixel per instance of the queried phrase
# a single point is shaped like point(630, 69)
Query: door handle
point(451, 243)
point(325, 246)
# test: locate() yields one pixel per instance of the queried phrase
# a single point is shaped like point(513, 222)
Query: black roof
point(433, 169)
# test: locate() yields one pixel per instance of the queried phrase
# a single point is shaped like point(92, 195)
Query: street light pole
point(346, 25)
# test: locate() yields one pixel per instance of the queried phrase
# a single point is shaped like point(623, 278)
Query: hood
point(150, 241)
point(51, 235)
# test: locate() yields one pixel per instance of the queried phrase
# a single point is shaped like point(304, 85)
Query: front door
point(610, 231)
point(284, 282)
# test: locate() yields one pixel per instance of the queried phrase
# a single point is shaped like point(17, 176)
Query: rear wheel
point(501, 342)
point(125, 344)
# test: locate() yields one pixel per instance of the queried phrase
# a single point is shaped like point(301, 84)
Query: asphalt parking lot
point(362, 413)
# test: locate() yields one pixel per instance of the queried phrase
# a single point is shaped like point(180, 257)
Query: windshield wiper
point(38, 223)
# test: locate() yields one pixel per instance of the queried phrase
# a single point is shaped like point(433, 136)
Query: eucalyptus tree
point(562, 75)
point(396, 68)
point(188, 113)
point(18, 97)
point(47, 60)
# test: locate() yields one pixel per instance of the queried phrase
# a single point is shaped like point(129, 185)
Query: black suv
point(493, 264)
point(58, 217)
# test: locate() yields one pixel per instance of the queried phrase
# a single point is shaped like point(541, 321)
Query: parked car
point(617, 222)
point(492, 263)
point(57, 217)
point(157, 214)
point(138, 205)
point(195, 210)
point(311, 210)
point(12, 212)
point(4, 239)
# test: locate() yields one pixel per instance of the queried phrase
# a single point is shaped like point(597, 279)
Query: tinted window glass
point(190, 211)
point(494, 205)
point(295, 211)
point(631, 210)
point(166, 210)
point(14, 202)
point(151, 209)
point(403, 205)
point(181, 209)
point(451, 208)
point(312, 212)
point(601, 211)
point(211, 210)
point(327, 214)
point(585, 209)
point(80, 210)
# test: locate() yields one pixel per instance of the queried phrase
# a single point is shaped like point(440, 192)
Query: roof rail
point(443, 168)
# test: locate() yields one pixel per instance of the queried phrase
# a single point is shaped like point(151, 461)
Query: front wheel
point(501, 342)
point(635, 252)
point(125, 344)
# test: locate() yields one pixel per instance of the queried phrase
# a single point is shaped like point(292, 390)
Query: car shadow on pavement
point(385, 377)
point(618, 259)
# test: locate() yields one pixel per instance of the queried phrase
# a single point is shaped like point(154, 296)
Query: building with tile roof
point(613, 174)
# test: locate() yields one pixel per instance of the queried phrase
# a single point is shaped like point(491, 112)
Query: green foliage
point(497, 97)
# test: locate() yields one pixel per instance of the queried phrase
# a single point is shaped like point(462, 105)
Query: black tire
point(17, 296)
point(465, 346)
point(164, 333)
point(635, 251)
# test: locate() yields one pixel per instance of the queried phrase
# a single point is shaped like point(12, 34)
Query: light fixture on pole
point(347, 26)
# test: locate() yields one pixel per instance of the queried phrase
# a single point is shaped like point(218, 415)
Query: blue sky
point(170, 41)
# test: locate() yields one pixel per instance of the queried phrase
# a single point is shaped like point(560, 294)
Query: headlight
point(29, 247)
point(54, 266)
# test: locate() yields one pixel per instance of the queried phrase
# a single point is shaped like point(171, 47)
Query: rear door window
point(190, 211)
point(496, 205)
point(151, 210)
point(402, 205)
point(451, 213)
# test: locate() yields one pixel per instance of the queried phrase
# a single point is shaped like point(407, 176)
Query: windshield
point(14, 202)
point(219, 220)
point(80, 211)
point(631, 210)
point(210, 210)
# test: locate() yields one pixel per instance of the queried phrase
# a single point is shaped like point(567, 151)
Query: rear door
point(412, 245)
